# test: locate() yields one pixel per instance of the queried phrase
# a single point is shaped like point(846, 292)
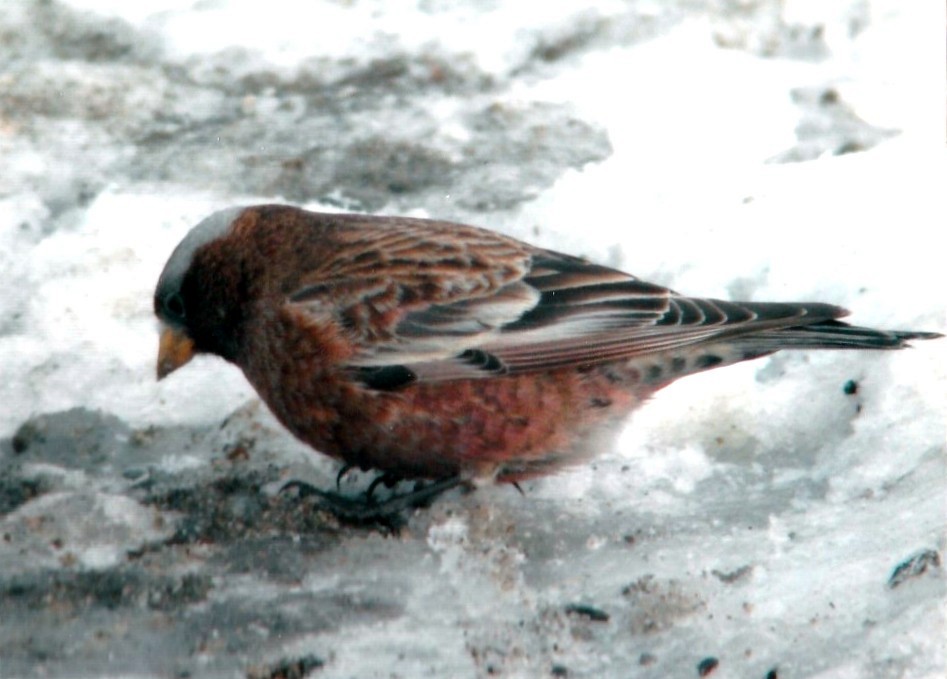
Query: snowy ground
point(759, 515)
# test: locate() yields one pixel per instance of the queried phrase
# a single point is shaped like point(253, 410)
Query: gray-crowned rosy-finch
point(426, 349)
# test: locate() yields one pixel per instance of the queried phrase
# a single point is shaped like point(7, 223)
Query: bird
point(441, 352)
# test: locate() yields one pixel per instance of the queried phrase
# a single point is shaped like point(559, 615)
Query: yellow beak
point(174, 350)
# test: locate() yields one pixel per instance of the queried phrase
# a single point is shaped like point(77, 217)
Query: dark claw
point(346, 468)
point(388, 479)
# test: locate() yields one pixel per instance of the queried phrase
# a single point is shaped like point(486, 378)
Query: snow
point(753, 513)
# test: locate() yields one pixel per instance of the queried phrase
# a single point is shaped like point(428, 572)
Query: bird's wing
point(472, 304)
point(405, 290)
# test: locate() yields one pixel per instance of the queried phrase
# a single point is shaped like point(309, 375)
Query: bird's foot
point(366, 510)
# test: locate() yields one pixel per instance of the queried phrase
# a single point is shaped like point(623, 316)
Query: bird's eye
point(174, 306)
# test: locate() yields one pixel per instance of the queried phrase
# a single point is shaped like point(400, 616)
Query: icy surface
point(784, 517)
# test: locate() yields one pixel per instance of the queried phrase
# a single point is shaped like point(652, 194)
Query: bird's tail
point(826, 334)
point(830, 334)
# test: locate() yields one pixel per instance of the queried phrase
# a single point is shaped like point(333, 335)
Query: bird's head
point(194, 299)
